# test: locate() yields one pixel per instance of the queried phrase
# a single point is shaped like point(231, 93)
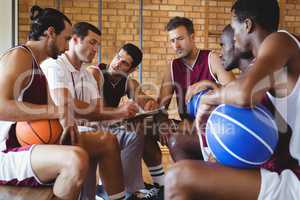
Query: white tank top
point(289, 108)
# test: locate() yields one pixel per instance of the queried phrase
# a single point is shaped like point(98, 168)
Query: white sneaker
point(98, 198)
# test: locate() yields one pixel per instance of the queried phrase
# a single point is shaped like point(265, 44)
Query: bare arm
point(166, 89)
point(13, 67)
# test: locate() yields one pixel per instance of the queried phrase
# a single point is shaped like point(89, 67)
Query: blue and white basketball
point(192, 105)
point(241, 137)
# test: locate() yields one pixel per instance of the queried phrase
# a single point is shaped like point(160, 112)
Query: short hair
point(42, 19)
point(135, 53)
point(81, 29)
point(175, 22)
point(263, 12)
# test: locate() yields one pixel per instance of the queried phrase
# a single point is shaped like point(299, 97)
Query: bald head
point(230, 58)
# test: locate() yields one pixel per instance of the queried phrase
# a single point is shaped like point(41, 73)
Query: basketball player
point(114, 83)
point(275, 71)
point(191, 66)
point(24, 98)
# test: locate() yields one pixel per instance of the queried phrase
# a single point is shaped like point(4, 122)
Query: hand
point(197, 87)
point(128, 109)
point(69, 136)
point(151, 104)
point(211, 158)
point(204, 110)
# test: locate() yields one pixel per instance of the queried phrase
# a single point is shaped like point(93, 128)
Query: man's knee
point(177, 143)
point(183, 146)
point(109, 144)
point(77, 162)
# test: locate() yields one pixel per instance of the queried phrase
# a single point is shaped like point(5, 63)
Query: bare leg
point(189, 179)
point(184, 144)
point(104, 147)
point(152, 153)
point(88, 190)
point(67, 165)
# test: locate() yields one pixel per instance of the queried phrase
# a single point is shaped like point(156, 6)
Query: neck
point(114, 78)
point(192, 56)
point(73, 58)
point(39, 50)
point(257, 40)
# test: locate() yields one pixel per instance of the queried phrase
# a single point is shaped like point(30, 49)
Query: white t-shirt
point(61, 74)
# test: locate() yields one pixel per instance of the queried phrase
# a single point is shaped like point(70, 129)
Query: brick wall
point(120, 24)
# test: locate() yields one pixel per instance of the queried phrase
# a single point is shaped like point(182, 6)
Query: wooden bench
point(26, 193)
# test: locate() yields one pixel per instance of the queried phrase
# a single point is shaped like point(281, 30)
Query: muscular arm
point(275, 52)
point(13, 67)
point(166, 89)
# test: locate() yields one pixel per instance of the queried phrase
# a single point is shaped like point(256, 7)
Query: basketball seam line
point(230, 152)
point(23, 141)
point(270, 118)
point(247, 129)
point(50, 131)
point(35, 133)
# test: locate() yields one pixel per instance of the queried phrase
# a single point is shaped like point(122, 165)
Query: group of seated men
point(46, 79)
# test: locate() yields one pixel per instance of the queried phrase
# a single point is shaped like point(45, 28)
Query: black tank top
point(112, 93)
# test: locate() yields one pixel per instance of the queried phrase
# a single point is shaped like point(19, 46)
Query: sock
point(99, 181)
point(158, 175)
point(119, 196)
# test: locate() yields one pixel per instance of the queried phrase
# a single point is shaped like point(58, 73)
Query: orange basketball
point(38, 132)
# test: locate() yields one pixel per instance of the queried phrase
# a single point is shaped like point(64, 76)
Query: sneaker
point(161, 191)
point(98, 198)
point(100, 193)
point(155, 193)
point(149, 186)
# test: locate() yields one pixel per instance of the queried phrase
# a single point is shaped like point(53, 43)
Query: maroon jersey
point(35, 93)
point(112, 93)
point(184, 76)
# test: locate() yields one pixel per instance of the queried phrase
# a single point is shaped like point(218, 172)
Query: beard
point(183, 53)
point(54, 51)
point(246, 55)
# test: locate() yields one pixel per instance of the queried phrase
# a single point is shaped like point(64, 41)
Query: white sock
point(158, 175)
point(99, 182)
point(119, 196)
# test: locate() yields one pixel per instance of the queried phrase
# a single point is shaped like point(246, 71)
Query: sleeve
point(101, 84)
point(56, 76)
point(92, 86)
